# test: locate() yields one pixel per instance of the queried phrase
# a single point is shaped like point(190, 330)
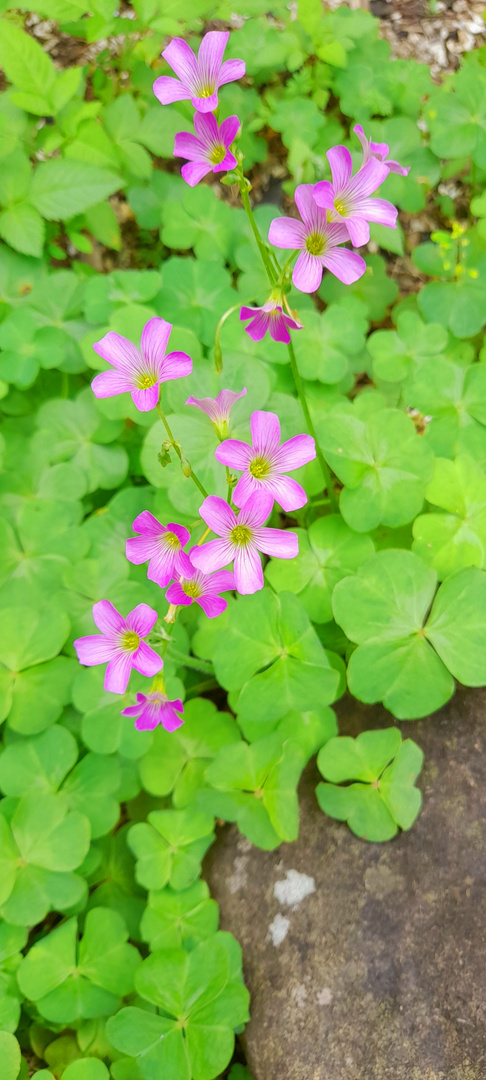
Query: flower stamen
point(259, 468)
point(241, 535)
point(130, 641)
point(315, 243)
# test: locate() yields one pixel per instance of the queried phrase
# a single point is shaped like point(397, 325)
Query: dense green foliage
point(111, 960)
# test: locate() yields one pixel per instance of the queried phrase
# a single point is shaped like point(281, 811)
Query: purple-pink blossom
point(319, 244)
point(192, 586)
point(198, 79)
point(219, 408)
point(159, 545)
point(120, 644)
point(139, 371)
point(379, 151)
point(266, 461)
point(153, 709)
point(272, 317)
point(347, 199)
point(208, 150)
point(241, 538)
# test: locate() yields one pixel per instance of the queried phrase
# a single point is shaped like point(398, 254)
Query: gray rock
point(367, 961)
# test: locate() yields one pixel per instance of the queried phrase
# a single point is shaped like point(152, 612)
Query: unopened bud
point(164, 457)
point(171, 614)
point(185, 465)
point(218, 357)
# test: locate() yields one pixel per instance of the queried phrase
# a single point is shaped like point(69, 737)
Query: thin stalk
point(191, 661)
point(265, 256)
point(299, 386)
point(178, 451)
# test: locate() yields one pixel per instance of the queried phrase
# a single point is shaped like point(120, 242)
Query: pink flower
point(269, 317)
point(159, 545)
point(347, 199)
point(241, 539)
point(208, 150)
point(199, 80)
point(194, 586)
point(318, 242)
point(120, 643)
point(139, 372)
point(153, 709)
point(266, 462)
point(218, 409)
point(379, 151)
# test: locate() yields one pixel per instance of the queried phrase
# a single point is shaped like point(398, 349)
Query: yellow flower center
point(171, 540)
point(315, 243)
point(145, 381)
point(130, 641)
point(206, 91)
point(241, 535)
point(259, 468)
point(191, 589)
point(340, 207)
point(218, 154)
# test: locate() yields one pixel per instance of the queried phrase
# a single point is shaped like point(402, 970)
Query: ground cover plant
point(243, 471)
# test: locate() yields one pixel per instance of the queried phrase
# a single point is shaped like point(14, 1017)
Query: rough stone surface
point(378, 972)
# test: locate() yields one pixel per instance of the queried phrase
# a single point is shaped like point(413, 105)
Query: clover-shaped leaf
point(328, 551)
point(327, 341)
point(173, 920)
point(453, 396)
point(272, 656)
point(41, 847)
point(385, 798)
point(256, 786)
point(200, 221)
point(382, 462)
point(457, 538)
point(406, 657)
point(396, 352)
point(68, 980)
point(9, 1055)
point(112, 881)
point(375, 289)
point(75, 431)
point(177, 760)
point(12, 940)
point(201, 998)
point(193, 293)
point(457, 119)
point(170, 846)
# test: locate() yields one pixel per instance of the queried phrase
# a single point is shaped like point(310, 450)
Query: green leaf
point(396, 353)
point(9, 1055)
point(30, 634)
point(169, 847)
point(456, 119)
point(456, 626)
point(23, 228)
point(173, 920)
point(326, 343)
point(61, 189)
point(328, 552)
point(25, 63)
point(455, 539)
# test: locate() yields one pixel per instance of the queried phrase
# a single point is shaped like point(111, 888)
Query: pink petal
point(229, 128)
point(248, 570)
point(181, 59)
point(146, 523)
point(230, 71)
point(168, 90)
point(117, 673)
point(175, 595)
point(336, 233)
point(161, 566)
point(395, 167)
point(187, 146)
point(205, 105)
point(210, 55)
point(94, 649)
point(229, 162)
point(358, 130)
point(287, 492)
point(109, 383)
point(134, 710)
point(286, 232)
point(324, 194)
point(307, 208)
point(256, 510)
point(293, 323)
point(345, 265)
point(379, 210)
point(120, 352)
point(176, 365)
point(212, 605)
point(180, 531)
point(265, 432)
point(367, 179)
point(220, 518)
point(235, 454)
point(279, 331)
point(141, 620)
point(380, 150)
point(206, 127)
point(246, 487)
point(279, 543)
point(168, 715)
point(149, 717)
point(258, 326)
point(307, 273)
point(194, 171)
point(221, 581)
point(146, 661)
point(213, 555)
point(295, 452)
point(359, 230)
point(341, 164)
point(107, 618)
point(155, 339)
point(139, 549)
point(145, 400)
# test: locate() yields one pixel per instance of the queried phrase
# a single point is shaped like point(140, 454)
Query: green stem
point(265, 256)
point(299, 386)
point(201, 688)
point(191, 662)
point(178, 451)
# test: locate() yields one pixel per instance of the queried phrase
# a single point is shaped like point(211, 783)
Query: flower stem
point(245, 198)
point(178, 451)
point(299, 386)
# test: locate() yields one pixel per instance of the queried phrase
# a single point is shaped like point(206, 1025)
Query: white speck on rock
point(324, 997)
point(279, 929)
point(293, 890)
point(239, 877)
point(299, 994)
